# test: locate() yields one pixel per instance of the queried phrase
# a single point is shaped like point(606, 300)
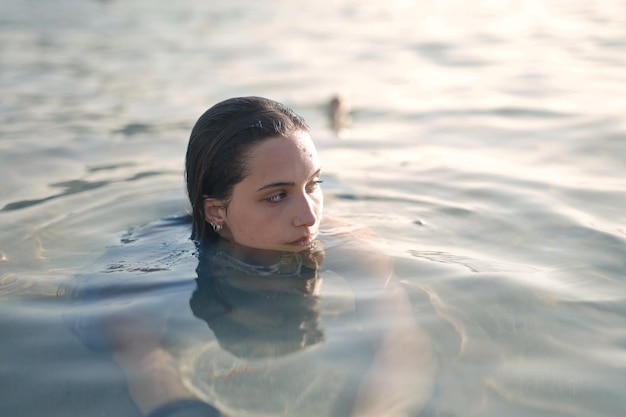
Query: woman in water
point(306, 311)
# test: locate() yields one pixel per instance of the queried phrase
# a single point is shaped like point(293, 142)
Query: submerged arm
point(400, 378)
point(154, 381)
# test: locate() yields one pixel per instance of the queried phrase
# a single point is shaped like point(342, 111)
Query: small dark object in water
point(339, 113)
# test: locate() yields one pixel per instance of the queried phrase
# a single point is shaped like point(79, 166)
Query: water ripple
point(70, 187)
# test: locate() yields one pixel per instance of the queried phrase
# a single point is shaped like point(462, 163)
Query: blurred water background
point(487, 145)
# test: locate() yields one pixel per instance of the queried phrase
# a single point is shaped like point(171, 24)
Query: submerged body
point(314, 334)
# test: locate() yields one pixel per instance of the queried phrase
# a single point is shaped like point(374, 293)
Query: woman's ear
point(214, 211)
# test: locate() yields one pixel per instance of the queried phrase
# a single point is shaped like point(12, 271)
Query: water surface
point(486, 147)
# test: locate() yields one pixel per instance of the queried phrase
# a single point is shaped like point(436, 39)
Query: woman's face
point(278, 206)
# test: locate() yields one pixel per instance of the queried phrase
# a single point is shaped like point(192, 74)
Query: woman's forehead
point(294, 151)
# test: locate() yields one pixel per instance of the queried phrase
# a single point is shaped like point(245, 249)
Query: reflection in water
point(296, 338)
point(266, 309)
point(257, 311)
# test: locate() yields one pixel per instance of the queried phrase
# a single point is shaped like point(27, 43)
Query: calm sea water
point(487, 145)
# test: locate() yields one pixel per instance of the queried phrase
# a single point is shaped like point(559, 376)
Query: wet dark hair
point(218, 149)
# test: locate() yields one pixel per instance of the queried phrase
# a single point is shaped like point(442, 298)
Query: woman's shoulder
point(355, 249)
point(349, 231)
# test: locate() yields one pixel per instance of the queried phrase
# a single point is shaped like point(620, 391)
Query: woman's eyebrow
point(286, 184)
point(277, 184)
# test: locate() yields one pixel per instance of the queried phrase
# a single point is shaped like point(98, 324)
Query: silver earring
point(217, 227)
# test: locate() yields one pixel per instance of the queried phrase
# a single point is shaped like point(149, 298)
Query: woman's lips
point(304, 241)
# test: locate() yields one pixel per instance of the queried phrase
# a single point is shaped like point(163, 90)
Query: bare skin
point(152, 375)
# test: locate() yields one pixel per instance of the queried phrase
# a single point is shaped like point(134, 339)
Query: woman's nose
point(307, 211)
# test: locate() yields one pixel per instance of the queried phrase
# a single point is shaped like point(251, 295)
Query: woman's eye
point(277, 197)
point(314, 185)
